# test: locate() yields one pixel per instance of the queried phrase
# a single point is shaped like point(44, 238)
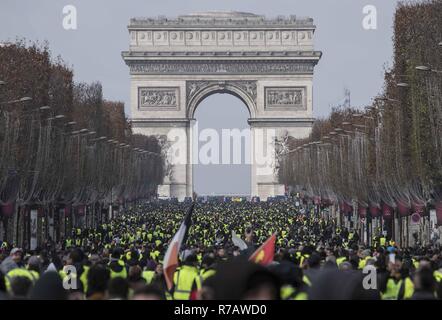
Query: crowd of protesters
point(314, 258)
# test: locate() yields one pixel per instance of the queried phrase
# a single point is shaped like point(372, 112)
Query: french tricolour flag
point(171, 256)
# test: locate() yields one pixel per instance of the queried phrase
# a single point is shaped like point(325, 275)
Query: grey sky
point(352, 57)
point(228, 178)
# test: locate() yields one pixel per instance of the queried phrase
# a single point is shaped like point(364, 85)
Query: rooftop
point(221, 18)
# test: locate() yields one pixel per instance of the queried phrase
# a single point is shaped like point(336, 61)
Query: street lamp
point(24, 99)
point(423, 68)
point(427, 69)
point(387, 99)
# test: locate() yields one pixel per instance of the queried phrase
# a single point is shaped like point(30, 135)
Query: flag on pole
point(265, 253)
point(171, 256)
point(237, 241)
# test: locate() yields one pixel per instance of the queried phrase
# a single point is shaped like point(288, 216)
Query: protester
point(311, 257)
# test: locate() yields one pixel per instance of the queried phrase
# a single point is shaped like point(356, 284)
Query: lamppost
point(24, 99)
point(427, 69)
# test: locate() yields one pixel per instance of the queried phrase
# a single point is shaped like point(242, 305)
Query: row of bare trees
point(61, 142)
point(388, 155)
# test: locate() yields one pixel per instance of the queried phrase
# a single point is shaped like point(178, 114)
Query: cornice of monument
point(222, 19)
point(198, 54)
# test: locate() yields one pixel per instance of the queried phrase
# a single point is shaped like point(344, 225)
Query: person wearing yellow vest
point(31, 272)
point(68, 243)
point(117, 266)
point(290, 293)
point(208, 267)
point(4, 245)
point(34, 266)
point(14, 260)
point(364, 257)
point(425, 284)
point(186, 279)
point(148, 275)
point(340, 260)
point(382, 241)
point(18, 272)
point(399, 285)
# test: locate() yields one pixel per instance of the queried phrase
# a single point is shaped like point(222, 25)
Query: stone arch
point(200, 54)
point(197, 91)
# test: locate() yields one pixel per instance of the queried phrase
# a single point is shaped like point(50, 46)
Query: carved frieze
point(162, 97)
point(285, 97)
point(248, 87)
point(220, 67)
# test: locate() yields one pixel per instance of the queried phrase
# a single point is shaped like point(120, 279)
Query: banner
point(7, 209)
point(362, 211)
point(33, 217)
point(403, 209)
point(387, 211)
point(374, 211)
point(237, 241)
point(439, 212)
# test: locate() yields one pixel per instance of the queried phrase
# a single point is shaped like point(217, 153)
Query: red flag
point(171, 256)
point(265, 253)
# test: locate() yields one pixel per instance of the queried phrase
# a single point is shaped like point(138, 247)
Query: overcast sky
point(353, 58)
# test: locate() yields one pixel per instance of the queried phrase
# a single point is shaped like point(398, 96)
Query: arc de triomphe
point(176, 63)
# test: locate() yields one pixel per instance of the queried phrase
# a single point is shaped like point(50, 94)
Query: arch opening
point(220, 88)
point(221, 145)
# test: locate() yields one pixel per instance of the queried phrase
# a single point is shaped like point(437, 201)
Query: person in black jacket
point(424, 284)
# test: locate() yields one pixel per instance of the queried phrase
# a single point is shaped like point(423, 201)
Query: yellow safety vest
point(18, 272)
point(184, 279)
point(340, 260)
point(393, 289)
point(438, 275)
point(363, 262)
point(148, 276)
point(83, 278)
point(303, 257)
point(204, 274)
point(415, 263)
point(290, 293)
point(382, 241)
point(154, 255)
point(306, 280)
point(122, 273)
point(62, 274)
